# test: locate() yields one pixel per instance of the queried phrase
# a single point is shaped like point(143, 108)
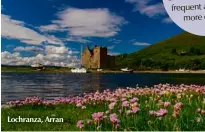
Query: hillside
point(182, 51)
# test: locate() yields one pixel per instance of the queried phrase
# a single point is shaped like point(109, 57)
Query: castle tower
point(96, 58)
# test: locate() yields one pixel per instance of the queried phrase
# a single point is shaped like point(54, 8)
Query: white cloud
point(56, 50)
point(132, 40)
point(87, 22)
point(141, 44)
point(28, 49)
point(73, 52)
point(116, 41)
point(50, 28)
point(54, 56)
point(154, 10)
point(146, 7)
point(111, 47)
point(78, 39)
point(167, 20)
point(14, 29)
point(113, 53)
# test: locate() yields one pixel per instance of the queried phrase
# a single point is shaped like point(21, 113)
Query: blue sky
point(52, 31)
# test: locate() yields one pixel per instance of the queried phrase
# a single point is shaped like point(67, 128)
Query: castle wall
point(103, 58)
point(97, 58)
point(86, 56)
point(111, 61)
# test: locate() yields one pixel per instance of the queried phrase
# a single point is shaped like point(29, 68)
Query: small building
point(97, 58)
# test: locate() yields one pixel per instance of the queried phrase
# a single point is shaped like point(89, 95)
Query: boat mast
point(81, 50)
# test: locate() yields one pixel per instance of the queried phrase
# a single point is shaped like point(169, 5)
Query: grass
point(188, 119)
point(160, 53)
point(29, 69)
point(69, 113)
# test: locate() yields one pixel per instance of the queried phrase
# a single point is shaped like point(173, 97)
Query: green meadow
point(191, 116)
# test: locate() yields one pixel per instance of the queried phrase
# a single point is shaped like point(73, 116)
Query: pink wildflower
point(111, 106)
point(98, 116)
point(79, 105)
point(178, 106)
point(89, 121)
point(135, 110)
point(161, 112)
point(83, 107)
point(114, 119)
point(125, 104)
point(80, 124)
point(134, 100)
point(134, 105)
point(120, 111)
point(117, 126)
point(123, 99)
point(167, 104)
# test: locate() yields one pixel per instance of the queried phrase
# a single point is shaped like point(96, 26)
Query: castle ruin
point(97, 58)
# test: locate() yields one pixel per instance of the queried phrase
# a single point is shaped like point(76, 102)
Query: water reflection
point(50, 85)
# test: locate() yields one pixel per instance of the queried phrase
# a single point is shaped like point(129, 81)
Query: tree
point(165, 67)
point(197, 52)
point(174, 51)
point(195, 64)
point(191, 50)
point(202, 66)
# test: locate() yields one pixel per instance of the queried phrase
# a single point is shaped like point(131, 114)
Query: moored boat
point(38, 67)
point(127, 70)
point(79, 70)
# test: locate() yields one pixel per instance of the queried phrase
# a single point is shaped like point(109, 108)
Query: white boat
point(182, 70)
point(38, 67)
point(127, 70)
point(79, 70)
point(99, 70)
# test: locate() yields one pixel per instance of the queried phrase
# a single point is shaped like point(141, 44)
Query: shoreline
point(109, 71)
point(178, 72)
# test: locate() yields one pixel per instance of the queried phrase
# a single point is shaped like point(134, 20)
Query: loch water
point(17, 86)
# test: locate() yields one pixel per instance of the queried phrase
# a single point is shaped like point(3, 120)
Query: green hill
point(182, 51)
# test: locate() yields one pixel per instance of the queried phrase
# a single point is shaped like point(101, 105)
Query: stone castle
point(97, 58)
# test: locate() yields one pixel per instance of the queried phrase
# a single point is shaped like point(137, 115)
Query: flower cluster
point(159, 113)
point(80, 124)
point(201, 111)
point(99, 116)
point(115, 120)
point(123, 104)
point(177, 108)
point(108, 96)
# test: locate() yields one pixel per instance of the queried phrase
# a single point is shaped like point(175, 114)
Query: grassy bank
point(163, 107)
point(65, 69)
point(29, 69)
point(181, 51)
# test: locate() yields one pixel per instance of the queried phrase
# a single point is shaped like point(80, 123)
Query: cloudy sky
point(52, 31)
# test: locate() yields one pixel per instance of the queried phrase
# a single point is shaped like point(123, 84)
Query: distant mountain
point(182, 51)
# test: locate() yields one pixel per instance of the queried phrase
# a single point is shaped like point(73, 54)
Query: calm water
point(50, 85)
